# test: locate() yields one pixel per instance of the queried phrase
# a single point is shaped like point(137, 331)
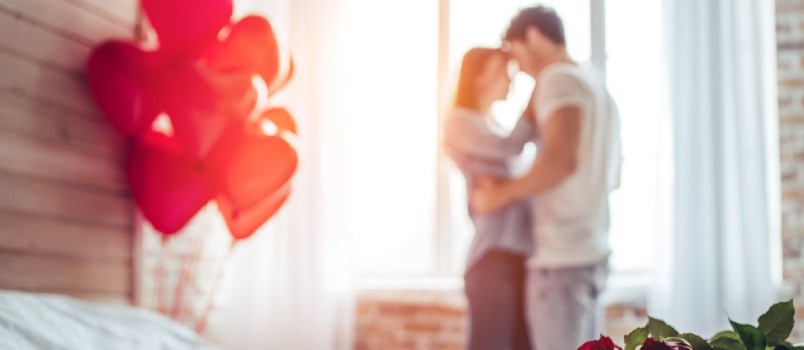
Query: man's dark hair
point(543, 18)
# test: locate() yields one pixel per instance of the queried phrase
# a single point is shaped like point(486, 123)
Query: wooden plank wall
point(66, 218)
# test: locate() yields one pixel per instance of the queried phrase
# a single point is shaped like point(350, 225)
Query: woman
point(496, 267)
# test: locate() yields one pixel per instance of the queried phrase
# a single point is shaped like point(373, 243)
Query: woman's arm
point(465, 135)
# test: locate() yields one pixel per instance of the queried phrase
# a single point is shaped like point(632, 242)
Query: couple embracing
point(539, 260)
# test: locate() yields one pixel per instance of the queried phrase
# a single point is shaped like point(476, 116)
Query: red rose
point(653, 344)
point(604, 343)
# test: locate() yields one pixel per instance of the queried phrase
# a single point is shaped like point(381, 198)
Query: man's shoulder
point(567, 72)
point(562, 68)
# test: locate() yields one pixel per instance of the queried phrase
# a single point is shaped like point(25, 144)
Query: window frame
point(624, 286)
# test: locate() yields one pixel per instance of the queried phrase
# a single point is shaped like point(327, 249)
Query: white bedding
point(36, 321)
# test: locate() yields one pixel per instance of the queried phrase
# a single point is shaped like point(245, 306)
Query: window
point(393, 91)
point(409, 202)
point(641, 209)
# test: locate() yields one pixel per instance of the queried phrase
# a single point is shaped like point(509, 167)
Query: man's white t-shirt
point(572, 219)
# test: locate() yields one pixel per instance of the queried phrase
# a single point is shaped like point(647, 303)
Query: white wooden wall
point(66, 218)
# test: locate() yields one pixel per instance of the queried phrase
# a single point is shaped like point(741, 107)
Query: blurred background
point(370, 250)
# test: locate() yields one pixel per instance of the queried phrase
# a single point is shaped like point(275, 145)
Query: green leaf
point(727, 343)
point(777, 322)
point(636, 338)
point(726, 334)
point(782, 346)
point(677, 340)
point(727, 340)
point(659, 329)
point(696, 342)
point(752, 337)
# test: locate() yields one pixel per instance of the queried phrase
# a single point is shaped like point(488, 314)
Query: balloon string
point(160, 276)
point(195, 259)
point(202, 324)
point(178, 298)
point(189, 260)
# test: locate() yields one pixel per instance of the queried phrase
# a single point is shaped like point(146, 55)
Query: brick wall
point(423, 320)
point(790, 38)
point(410, 320)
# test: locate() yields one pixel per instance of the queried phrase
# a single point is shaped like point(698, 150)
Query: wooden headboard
point(66, 218)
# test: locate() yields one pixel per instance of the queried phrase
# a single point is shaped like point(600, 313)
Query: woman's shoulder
point(461, 113)
point(463, 117)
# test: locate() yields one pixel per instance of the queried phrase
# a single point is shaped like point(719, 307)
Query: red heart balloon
point(119, 77)
point(243, 223)
point(168, 187)
point(221, 155)
point(260, 167)
point(251, 47)
point(283, 78)
point(281, 118)
point(202, 103)
point(186, 26)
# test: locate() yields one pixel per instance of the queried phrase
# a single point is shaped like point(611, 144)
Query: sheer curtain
point(723, 251)
point(289, 287)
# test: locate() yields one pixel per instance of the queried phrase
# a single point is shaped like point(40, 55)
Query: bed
point(46, 321)
point(66, 285)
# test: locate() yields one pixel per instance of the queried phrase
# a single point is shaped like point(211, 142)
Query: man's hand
point(487, 196)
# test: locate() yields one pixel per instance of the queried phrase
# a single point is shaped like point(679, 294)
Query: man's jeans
point(495, 290)
point(562, 305)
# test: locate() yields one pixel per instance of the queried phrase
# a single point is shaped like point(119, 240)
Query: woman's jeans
point(495, 288)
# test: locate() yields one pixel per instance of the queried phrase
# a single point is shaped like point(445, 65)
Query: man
point(577, 165)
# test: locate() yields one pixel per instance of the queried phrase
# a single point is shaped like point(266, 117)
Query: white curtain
point(289, 287)
point(719, 257)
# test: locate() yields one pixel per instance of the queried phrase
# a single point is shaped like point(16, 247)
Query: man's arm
point(556, 161)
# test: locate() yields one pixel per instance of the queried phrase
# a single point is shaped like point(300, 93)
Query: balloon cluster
point(204, 77)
